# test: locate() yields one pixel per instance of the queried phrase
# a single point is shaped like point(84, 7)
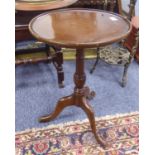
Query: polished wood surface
point(79, 28)
point(36, 5)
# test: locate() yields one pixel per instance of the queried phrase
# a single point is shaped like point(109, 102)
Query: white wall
point(125, 7)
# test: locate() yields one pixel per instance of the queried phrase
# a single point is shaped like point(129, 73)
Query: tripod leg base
point(90, 114)
point(62, 103)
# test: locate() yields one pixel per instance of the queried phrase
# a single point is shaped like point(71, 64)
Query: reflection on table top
point(79, 27)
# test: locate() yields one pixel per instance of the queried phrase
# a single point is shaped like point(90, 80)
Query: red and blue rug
point(76, 138)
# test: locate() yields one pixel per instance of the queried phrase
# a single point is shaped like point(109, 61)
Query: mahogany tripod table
point(79, 29)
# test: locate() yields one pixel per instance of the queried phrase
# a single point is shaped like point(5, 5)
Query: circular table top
point(76, 28)
point(41, 5)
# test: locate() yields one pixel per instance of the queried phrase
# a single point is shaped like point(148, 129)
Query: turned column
point(79, 76)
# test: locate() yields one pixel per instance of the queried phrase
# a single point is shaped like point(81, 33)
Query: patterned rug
point(75, 138)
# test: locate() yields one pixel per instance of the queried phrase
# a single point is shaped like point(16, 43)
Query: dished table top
point(76, 28)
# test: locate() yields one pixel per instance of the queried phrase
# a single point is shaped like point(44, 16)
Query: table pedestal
point(78, 98)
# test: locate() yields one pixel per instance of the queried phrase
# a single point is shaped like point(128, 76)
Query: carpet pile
point(76, 138)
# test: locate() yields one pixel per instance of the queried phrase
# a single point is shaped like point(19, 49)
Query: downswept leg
point(61, 104)
point(90, 114)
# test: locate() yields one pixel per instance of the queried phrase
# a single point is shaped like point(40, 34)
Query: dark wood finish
point(22, 33)
point(22, 19)
point(57, 62)
point(81, 29)
point(97, 28)
point(109, 5)
point(56, 59)
point(132, 37)
point(78, 98)
point(33, 61)
point(26, 10)
point(119, 7)
point(42, 5)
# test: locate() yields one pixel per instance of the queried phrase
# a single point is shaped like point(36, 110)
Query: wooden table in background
point(28, 9)
point(25, 11)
